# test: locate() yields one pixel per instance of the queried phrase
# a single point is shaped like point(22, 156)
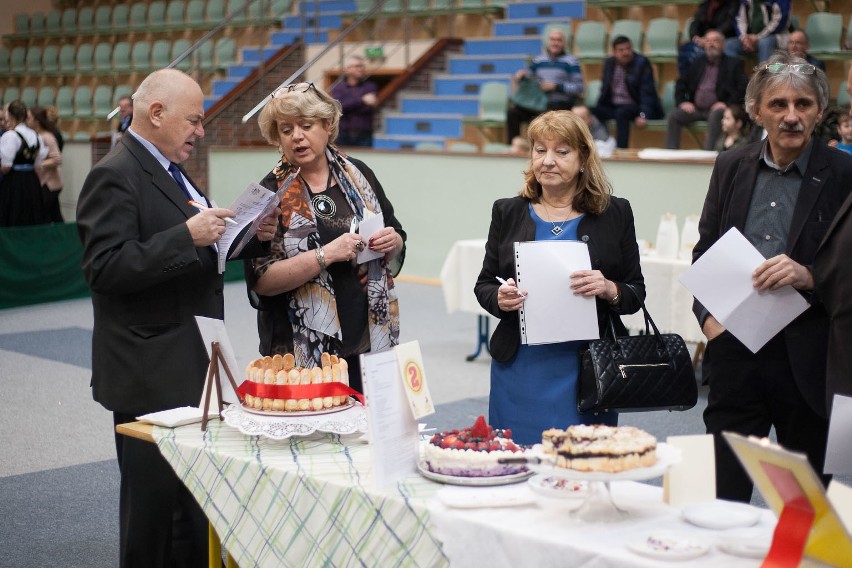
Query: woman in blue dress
point(565, 196)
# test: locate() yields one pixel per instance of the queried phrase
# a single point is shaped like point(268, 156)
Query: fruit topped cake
point(600, 448)
point(473, 452)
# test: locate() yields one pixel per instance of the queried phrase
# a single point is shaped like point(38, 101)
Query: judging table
point(669, 302)
point(310, 502)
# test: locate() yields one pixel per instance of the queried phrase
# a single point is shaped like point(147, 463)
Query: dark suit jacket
point(611, 237)
point(832, 271)
point(148, 281)
point(730, 84)
point(639, 79)
point(825, 185)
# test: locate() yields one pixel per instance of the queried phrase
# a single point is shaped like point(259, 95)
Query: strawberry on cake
point(472, 452)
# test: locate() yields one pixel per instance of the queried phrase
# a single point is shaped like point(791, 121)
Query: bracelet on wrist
point(320, 254)
point(615, 300)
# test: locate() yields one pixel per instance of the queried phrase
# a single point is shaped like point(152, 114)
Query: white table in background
point(458, 276)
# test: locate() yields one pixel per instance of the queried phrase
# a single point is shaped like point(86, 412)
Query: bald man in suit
point(150, 260)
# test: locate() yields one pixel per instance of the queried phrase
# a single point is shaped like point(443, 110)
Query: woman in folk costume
point(311, 292)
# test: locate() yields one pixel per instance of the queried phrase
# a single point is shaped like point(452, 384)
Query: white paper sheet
point(393, 430)
point(247, 206)
point(369, 225)
point(721, 280)
point(552, 313)
point(838, 458)
point(214, 330)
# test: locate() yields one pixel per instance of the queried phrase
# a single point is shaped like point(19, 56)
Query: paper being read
point(247, 207)
point(722, 281)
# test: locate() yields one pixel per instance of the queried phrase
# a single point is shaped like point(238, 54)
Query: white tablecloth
point(669, 303)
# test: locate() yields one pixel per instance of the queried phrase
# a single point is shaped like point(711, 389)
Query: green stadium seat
point(203, 55)
point(18, 59)
point(22, 23)
point(178, 47)
point(121, 57)
point(824, 33)
point(85, 58)
point(121, 91)
point(160, 53)
point(175, 13)
point(46, 96)
point(279, 8)
point(11, 94)
point(429, 146)
point(102, 101)
point(67, 55)
point(463, 147)
point(843, 95)
point(140, 56)
point(225, 52)
point(4, 61)
point(496, 148)
point(138, 17)
point(194, 13)
point(684, 36)
point(120, 17)
point(157, 15)
point(493, 101)
point(37, 24)
point(661, 38)
point(254, 12)
point(34, 59)
point(86, 19)
point(83, 101)
point(103, 17)
point(50, 59)
point(65, 100)
point(53, 22)
point(631, 29)
point(69, 20)
point(590, 41)
point(592, 93)
point(103, 57)
point(29, 96)
point(215, 11)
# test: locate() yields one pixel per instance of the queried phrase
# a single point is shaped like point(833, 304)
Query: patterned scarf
point(312, 306)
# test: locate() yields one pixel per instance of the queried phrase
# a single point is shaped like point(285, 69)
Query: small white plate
point(558, 487)
point(175, 417)
point(720, 515)
point(669, 546)
point(747, 543)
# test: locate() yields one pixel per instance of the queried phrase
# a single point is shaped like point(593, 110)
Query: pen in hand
point(503, 281)
point(202, 207)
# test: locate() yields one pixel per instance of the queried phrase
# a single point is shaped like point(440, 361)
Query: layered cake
point(600, 448)
point(282, 370)
point(473, 452)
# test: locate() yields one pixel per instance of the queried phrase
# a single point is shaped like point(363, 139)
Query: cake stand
point(598, 505)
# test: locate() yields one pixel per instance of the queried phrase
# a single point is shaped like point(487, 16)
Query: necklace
point(556, 229)
point(323, 204)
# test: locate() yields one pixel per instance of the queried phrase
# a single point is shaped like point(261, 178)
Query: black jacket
point(640, 84)
point(730, 84)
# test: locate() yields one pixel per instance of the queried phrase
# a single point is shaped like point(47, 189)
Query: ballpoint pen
point(202, 207)
point(503, 281)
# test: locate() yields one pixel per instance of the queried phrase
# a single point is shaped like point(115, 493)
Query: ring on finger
point(359, 245)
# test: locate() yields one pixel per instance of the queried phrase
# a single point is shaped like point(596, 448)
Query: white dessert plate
point(720, 515)
point(472, 481)
point(747, 543)
point(485, 497)
point(296, 413)
point(669, 546)
point(175, 417)
point(667, 455)
point(558, 487)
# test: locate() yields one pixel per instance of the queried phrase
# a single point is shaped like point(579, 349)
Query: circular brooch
point(324, 206)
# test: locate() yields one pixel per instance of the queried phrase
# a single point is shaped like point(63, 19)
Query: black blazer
point(730, 84)
point(825, 186)
point(148, 283)
point(639, 78)
point(611, 237)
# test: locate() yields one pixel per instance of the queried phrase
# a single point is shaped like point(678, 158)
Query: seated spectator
point(520, 146)
point(559, 76)
point(761, 27)
point(358, 98)
point(735, 127)
point(845, 129)
point(125, 117)
point(798, 45)
point(712, 82)
point(598, 130)
point(628, 91)
point(710, 15)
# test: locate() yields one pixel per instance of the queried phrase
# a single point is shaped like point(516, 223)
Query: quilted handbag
point(636, 373)
point(529, 95)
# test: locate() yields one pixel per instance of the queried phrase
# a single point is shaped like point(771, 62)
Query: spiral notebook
point(552, 313)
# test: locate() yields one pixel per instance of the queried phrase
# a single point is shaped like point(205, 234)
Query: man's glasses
point(295, 87)
point(800, 68)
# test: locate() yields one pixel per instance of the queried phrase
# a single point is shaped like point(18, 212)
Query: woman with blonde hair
point(565, 196)
point(311, 293)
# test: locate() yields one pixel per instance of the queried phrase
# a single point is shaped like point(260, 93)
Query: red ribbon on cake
point(297, 392)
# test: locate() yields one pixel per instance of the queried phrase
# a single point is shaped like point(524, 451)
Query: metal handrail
point(339, 39)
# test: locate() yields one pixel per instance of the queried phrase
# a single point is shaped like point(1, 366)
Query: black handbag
point(636, 373)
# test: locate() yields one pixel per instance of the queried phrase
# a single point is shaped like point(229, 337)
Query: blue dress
point(537, 389)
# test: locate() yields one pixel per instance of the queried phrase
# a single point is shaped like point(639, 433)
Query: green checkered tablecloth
point(302, 501)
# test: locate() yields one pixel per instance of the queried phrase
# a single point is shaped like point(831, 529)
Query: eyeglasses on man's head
point(800, 68)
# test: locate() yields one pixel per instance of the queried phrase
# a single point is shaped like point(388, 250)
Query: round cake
point(472, 452)
point(600, 448)
point(282, 370)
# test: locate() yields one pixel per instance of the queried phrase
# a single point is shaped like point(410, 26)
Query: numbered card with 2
point(414, 378)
